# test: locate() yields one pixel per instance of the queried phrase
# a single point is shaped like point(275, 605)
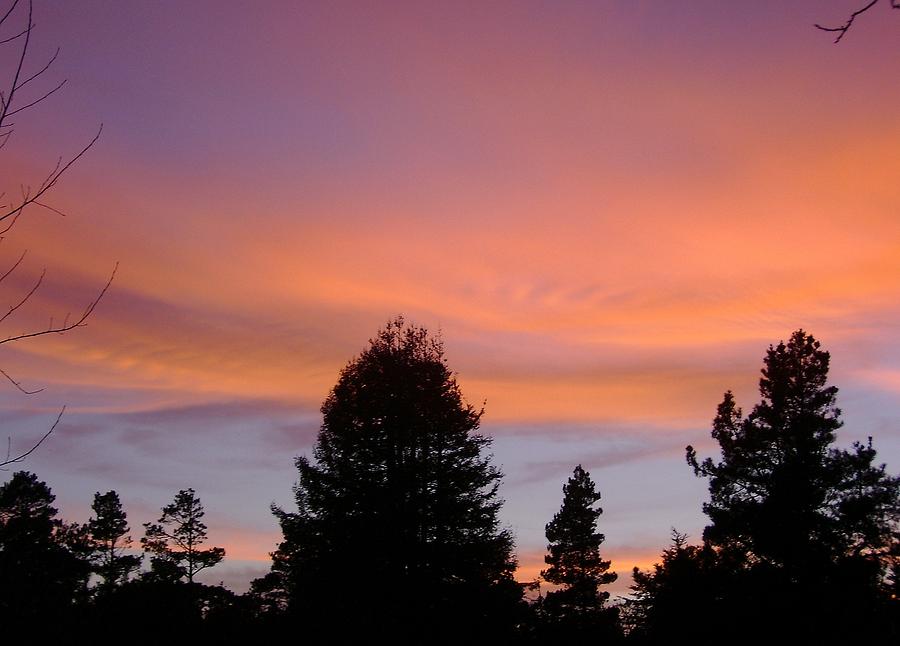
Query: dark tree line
point(396, 532)
point(56, 576)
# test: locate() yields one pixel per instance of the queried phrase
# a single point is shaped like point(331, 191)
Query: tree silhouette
point(797, 516)
point(397, 521)
point(108, 531)
point(42, 572)
point(841, 30)
point(18, 93)
point(176, 538)
point(686, 582)
point(574, 560)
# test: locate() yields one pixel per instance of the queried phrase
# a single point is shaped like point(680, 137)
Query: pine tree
point(574, 558)
point(42, 572)
point(397, 520)
point(177, 552)
point(687, 579)
point(807, 528)
point(108, 530)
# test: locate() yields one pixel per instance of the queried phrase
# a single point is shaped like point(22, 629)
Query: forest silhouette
point(396, 533)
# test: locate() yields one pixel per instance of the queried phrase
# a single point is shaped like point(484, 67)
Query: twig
point(66, 326)
point(19, 458)
point(49, 182)
point(8, 11)
point(19, 385)
point(13, 308)
point(15, 82)
point(842, 29)
point(13, 268)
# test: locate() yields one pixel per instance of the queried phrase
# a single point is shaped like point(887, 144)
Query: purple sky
point(608, 209)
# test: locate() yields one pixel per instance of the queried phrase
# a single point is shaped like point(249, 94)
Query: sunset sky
point(609, 210)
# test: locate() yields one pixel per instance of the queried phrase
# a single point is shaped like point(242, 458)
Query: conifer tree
point(574, 550)
point(176, 538)
point(42, 572)
point(397, 521)
point(574, 556)
point(808, 530)
point(108, 531)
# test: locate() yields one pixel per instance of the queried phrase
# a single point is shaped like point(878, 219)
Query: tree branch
point(12, 460)
point(49, 182)
point(13, 308)
point(842, 29)
point(66, 325)
point(12, 90)
point(13, 268)
point(9, 11)
point(19, 385)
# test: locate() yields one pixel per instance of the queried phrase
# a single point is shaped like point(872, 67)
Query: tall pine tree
point(808, 529)
point(397, 521)
point(573, 557)
point(175, 539)
point(108, 531)
point(42, 570)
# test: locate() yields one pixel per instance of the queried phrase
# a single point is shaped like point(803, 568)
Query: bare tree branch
point(13, 268)
point(842, 29)
point(12, 38)
point(12, 460)
point(8, 11)
point(49, 208)
point(12, 209)
point(9, 226)
point(36, 101)
point(40, 71)
point(48, 183)
point(13, 308)
point(66, 325)
point(15, 82)
point(19, 385)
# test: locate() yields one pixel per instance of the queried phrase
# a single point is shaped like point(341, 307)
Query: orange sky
point(608, 210)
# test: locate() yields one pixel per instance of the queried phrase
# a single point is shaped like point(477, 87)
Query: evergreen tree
point(42, 572)
point(176, 538)
point(108, 530)
point(574, 560)
point(673, 591)
point(397, 521)
point(808, 528)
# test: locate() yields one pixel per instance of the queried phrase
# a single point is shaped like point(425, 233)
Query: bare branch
point(49, 208)
point(11, 38)
point(9, 11)
point(13, 308)
point(66, 326)
point(842, 29)
point(11, 224)
point(12, 460)
point(15, 82)
point(19, 385)
point(36, 101)
point(39, 72)
point(13, 268)
point(49, 182)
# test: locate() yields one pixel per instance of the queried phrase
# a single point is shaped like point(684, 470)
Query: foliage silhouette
point(42, 570)
point(108, 530)
point(177, 552)
point(397, 517)
point(686, 582)
point(576, 609)
point(808, 530)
